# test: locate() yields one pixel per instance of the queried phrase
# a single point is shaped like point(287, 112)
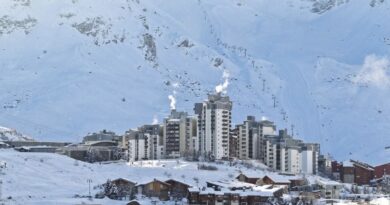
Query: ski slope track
point(322, 67)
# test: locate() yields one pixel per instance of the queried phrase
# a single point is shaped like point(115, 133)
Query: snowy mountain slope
point(73, 67)
point(7, 134)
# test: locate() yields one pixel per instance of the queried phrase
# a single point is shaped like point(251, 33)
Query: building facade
point(180, 135)
point(214, 124)
point(283, 153)
point(250, 137)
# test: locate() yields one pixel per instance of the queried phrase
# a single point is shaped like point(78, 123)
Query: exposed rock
point(322, 6)
point(9, 25)
point(218, 62)
point(186, 44)
point(374, 3)
point(150, 47)
point(100, 30)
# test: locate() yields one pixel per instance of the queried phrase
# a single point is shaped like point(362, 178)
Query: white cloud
point(375, 71)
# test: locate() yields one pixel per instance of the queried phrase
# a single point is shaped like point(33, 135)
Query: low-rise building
point(103, 135)
point(96, 151)
point(356, 172)
point(178, 189)
point(250, 178)
point(4, 145)
point(274, 179)
point(126, 189)
point(42, 149)
point(222, 195)
point(329, 189)
point(382, 170)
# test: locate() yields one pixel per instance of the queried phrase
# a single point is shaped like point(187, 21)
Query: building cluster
point(246, 188)
point(209, 134)
point(235, 191)
point(356, 172)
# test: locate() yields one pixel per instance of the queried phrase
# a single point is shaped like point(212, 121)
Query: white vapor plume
point(172, 97)
point(155, 120)
point(375, 71)
point(222, 88)
point(173, 102)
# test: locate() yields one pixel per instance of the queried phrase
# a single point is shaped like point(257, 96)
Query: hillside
point(71, 67)
point(7, 134)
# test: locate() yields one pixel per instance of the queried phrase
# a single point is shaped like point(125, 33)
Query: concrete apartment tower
point(180, 134)
point(250, 135)
point(284, 153)
point(214, 124)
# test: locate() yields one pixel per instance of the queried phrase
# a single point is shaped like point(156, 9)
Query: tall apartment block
point(180, 134)
point(214, 124)
point(250, 136)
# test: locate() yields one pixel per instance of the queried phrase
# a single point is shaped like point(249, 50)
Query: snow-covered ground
point(45, 178)
point(69, 67)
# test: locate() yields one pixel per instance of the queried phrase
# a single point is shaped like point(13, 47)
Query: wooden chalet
point(249, 178)
point(155, 188)
point(126, 188)
point(178, 190)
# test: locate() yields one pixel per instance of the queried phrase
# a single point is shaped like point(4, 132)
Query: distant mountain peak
point(7, 134)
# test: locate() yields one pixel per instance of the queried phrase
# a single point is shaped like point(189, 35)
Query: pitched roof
point(231, 184)
point(277, 178)
point(155, 180)
point(169, 180)
point(252, 175)
point(123, 179)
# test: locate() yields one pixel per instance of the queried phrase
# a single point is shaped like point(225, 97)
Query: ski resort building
point(180, 134)
point(214, 124)
point(284, 153)
point(251, 135)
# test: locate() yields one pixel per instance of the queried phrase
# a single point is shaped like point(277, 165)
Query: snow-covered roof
point(125, 179)
point(148, 180)
point(253, 175)
point(347, 163)
point(263, 192)
point(194, 189)
point(268, 189)
point(277, 178)
point(231, 184)
point(325, 182)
